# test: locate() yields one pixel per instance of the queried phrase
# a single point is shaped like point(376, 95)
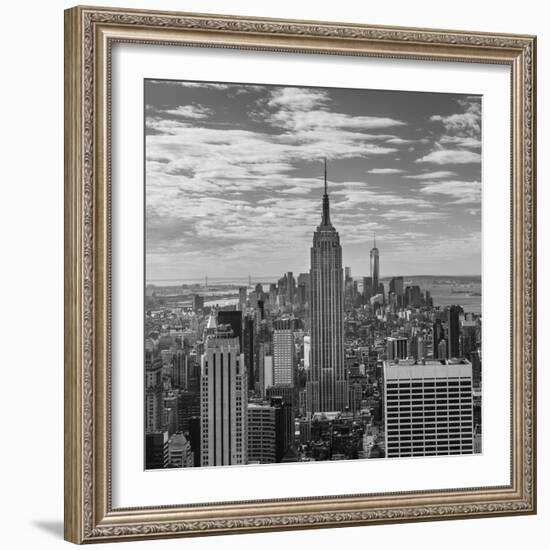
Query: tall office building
point(287, 392)
point(438, 334)
point(265, 365)
point(189, 405)
point(413, 296)
point(420, 348)
point(170, 412)
point(283, 353)
point(249, 339)
point(397, 348)
point(235, 320)
point(428, 408)
point(442, 349)
point(153, 393)
point(469, 339)
point(261, 436)
point(223, 401)
point(179, 369)
point(156, 450)
point(396, 285)
point(273, 293)
point(375, 267)
point(349, 289)
point(367, 288)
point(304, 282)
point(284, 427)
point(453, 331)
point(326, 387)
point(270, 431)
point(476, 369)
point(301, 295)
point(307, 352)
point(195, 439)
point(291, 287)
point(259, 315)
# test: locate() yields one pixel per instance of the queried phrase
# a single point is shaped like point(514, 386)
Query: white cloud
point(303, 110)
point(301, 99)
point(240, 160)
point(462, 132)
point(399, 141)
point(185, 84)
point(462, 141)
point(431, 175)
point(451, 156)
point(413, 216)
point(463, 192)
point(467, 123)
point(310, 120)
point(193, 111)
point(355, 194)
point(386, 171)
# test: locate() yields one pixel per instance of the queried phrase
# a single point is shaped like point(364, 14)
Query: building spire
point(326, 206)
point(374, 240)
point(325, 159)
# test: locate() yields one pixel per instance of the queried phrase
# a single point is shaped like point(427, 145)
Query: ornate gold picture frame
point(90, 34)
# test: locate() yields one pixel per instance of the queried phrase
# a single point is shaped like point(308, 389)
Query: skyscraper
point(307, 352)
point(291, 287)
point(153, 392)
point(413, 296)
point(428, 408)
point(235, 319)
point(349, 289)
point(397, 348)
point(261, 435)
point(375, 267)
point(284, 427)
point(283, 353)
point(156, 449)
point(249, 347)
point(303, 289)
point(326, 387)
point(367, 288)
point(396, 286)
point(223, 401)
point(453, 331)
point(179, 369)
point(265, 367)
point(438, 335)
point(242, 297)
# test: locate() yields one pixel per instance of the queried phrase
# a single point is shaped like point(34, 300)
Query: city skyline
point(328, 360)
point(231, 166)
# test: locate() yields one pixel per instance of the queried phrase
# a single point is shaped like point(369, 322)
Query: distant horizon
point(256, 279)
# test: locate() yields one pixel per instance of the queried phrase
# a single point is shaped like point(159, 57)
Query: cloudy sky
point(234, 179)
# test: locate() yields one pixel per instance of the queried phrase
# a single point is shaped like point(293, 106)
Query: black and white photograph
point(313, 262)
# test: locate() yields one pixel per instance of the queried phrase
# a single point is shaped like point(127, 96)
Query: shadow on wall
point(53, 527)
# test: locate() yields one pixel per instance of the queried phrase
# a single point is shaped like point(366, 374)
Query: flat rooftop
point(429, 368)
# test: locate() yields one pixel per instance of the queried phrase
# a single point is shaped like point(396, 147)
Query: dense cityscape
point(323, 365)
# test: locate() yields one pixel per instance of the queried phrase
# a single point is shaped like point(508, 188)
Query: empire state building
point(326, 387)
